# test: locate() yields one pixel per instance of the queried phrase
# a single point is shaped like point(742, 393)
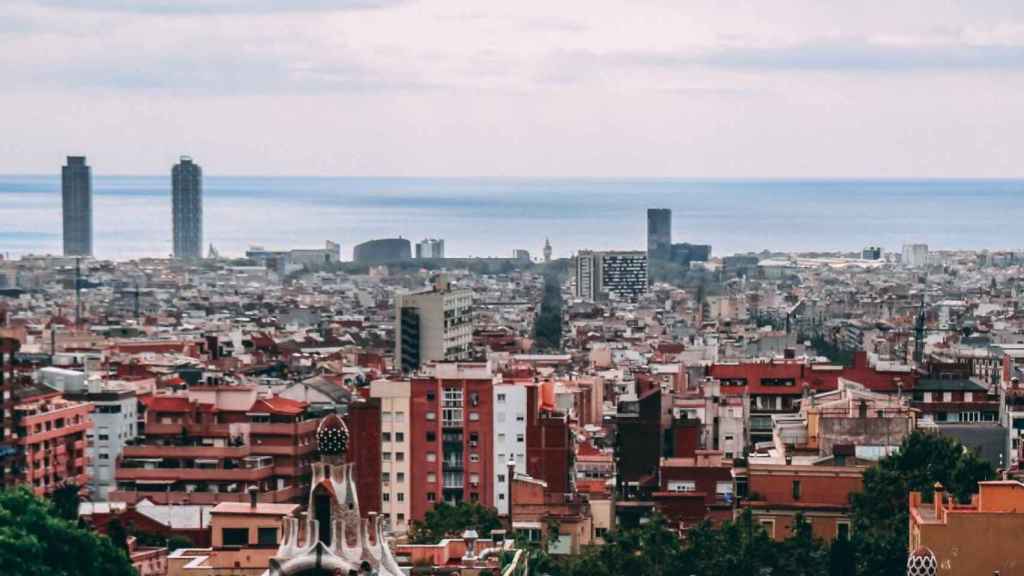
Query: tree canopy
point(880, 516)
point(448, 521)
point(36, 541)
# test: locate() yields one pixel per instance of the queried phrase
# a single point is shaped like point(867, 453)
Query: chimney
point(937, 499)
point(254, 497)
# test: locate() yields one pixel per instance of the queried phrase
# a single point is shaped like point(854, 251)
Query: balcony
point(289, 494)
point(185, 452)
point(287, 450)
point(284, 428)
point(195, 474)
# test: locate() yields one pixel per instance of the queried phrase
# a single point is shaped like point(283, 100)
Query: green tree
point(547, 326)
point(448, 521)
point(65, 500)
point(651, 549)
point(36, 541)
point(802, 554)
point(880, 516)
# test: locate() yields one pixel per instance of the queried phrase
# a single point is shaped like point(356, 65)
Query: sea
point(492, 217)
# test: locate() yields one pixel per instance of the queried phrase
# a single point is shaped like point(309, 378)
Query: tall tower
point(547, 250)
point(76, 187)
point(187, 202)
point(659, 234)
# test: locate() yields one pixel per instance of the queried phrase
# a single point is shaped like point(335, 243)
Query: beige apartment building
point(395, 452)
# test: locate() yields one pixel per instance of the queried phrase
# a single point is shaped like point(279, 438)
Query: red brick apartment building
point(211, 443)
point(50, 442)
point(451, 428)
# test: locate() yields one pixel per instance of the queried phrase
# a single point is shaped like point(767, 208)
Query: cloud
point(216, 6)
point(836, 54)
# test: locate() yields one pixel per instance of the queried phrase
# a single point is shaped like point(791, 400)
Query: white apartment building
point(434, 325)
point(115, 423)
point(396, 482)
point(915, 255)
point(509, 438)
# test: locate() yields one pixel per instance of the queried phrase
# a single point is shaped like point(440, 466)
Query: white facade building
point(115, 422)
point(432, 326)
point(509, 438)
point(915, 255)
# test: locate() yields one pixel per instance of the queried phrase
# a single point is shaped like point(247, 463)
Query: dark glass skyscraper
point(76, 185)
point(659, 234)
point(187, 202)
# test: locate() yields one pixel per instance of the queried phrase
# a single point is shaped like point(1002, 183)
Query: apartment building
point(211, 443)
point(434, 325)
point(51, 441)
point(509, 438)
point(452, 436)
point(115, 423)
point(396, 456)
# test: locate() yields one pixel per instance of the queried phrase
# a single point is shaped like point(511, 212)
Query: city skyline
point(613, 89)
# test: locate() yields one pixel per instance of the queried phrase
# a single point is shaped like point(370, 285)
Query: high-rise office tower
point(659, 234)
point(187, 201)
point(76, 185)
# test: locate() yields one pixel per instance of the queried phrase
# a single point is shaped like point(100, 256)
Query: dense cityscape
point(653, 410)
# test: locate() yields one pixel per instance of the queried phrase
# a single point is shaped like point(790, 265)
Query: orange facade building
point(979, 538)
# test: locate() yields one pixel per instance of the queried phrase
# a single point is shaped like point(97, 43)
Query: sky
point(564, 88)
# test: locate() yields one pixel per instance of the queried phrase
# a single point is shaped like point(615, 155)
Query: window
point(842, 530)
point(431, 436)
point(385, 477)
point(501, 438)
point(431, 497)
point(474, 457)
point(266, 536)
point(520, 438)
point(431, 456)
point(682, 486)
point(401, 496)
point(796, 489)
point(400, 477)
point(431, 477)
point(234, 536)
point(769, 527)
point(399, 416)
point(520, 417)
point(474, 497)
point(501, 398)
point(386, 496)
point(399, 456)
point(501, 477)
point(386, 456)
point(399, 436)
point(431, 396)
point(385, 436)
point(723, 488)
point(600, 532)
point(474, 437)
point(474, 416)
point(401, 518)
point(431, 416)
point(104, 456)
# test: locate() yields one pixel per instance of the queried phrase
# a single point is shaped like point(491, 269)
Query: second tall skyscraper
point(187, 201)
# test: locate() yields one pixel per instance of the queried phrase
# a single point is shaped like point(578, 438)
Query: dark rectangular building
point(187, 207)
point(76, 187)
point(659, 233)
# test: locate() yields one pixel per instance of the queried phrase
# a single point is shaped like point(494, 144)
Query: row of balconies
point(223, 430)
point(158, 451)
